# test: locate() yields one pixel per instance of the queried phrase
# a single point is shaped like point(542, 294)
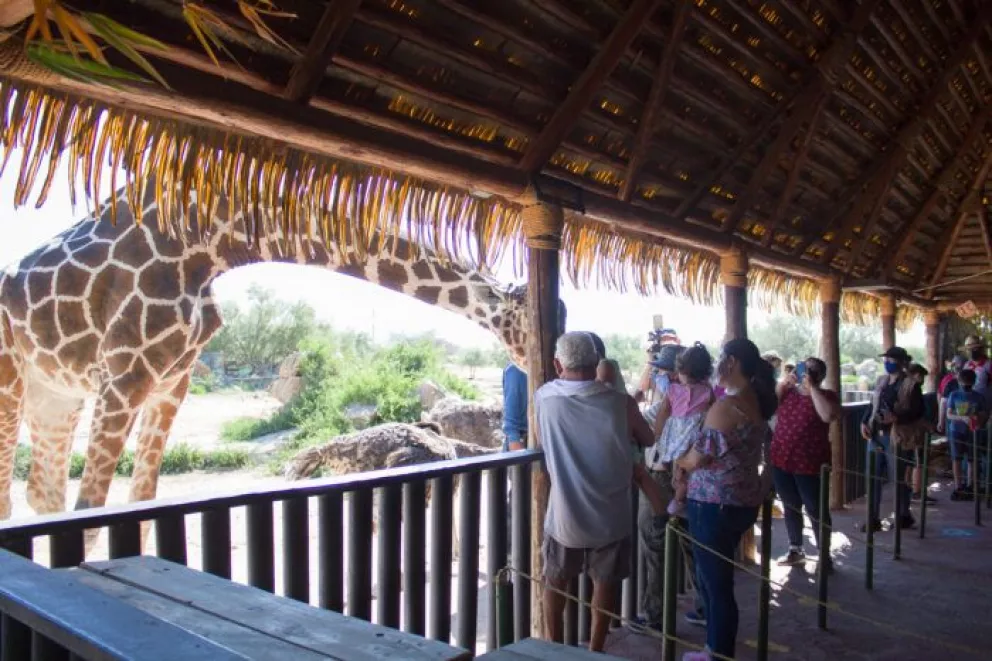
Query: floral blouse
point(732, 474)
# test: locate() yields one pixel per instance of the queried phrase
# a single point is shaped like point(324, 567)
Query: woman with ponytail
point(726, 485)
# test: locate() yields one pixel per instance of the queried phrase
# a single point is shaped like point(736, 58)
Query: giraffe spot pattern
point(43, 325)
point(71, 317)
point(77, 355)
point(51, 257)
point(458, 297)
point(71, 281)
point(107, 293)
point(39, 286)
point(428, 295)
point(159, 318)
point(392, 275)
point(160, 280)
point(94, 255)
point(445, 274)
point(132, 248)
point(123, 331)
point(162, 355)
point(197, 269)
point(422, 270)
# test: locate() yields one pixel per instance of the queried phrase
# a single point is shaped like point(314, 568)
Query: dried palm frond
point(77, 54)
point(290, 196)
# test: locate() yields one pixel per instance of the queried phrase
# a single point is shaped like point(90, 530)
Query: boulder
point(868, 369)
point(471, 422)
point(430, 394)
point(848, 369)
point(384, 446)
point(289, 383)
point(360, 416)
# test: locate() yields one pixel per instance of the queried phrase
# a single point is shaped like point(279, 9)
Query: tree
point(260, 336)
point(794, 338)
point(473, 359)
point(860, 343)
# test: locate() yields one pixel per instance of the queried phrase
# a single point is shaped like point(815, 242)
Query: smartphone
point(658, 321)
point(800, 372)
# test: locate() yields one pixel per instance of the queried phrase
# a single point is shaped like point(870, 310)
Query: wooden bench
point(86, 622)
point(532, 649)
point(252, 622)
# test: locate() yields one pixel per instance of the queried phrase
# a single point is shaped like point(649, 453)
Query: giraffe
point(121, 312)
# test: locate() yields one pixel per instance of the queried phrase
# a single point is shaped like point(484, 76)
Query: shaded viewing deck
point(374, 547)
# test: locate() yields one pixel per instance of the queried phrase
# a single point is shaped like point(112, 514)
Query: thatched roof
point(827, 138)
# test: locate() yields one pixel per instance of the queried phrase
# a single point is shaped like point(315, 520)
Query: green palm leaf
point(124, 41)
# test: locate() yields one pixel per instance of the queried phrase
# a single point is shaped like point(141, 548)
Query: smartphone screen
point(800, 371)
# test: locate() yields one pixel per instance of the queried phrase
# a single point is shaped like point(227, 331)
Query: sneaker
point(907, 522)
point(795, 557)
point(696, 618)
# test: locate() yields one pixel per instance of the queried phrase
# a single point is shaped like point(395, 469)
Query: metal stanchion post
point(671, 573)
point(974, 477)
point(988, 466)
point(765, 592)
point(924, 480)
point(870, 523)
point(504, 611)
point(823, 568)
point(900, 472)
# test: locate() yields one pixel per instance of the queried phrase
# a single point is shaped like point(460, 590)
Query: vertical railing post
point(468, 559)
point(439, 624)
point(359, 572)
point(900, 471)
point(670, 600)
point(765, 591)
point(389, 543)
point(330, 531)
point(296, 548)
point(520, 534)
point(261, 543)
point(496, 554)
point(215, 536)
point(870, 522)
point(825, 531)
point(924, 480)
point(414, 556)
point(988, 465)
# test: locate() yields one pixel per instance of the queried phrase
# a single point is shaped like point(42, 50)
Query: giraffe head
point(508, 318)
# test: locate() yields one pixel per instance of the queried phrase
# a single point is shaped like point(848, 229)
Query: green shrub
point(248, 429)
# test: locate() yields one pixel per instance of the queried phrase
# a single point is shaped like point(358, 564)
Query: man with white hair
point(585, 435)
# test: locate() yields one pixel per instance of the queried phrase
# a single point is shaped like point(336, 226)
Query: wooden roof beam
point(798, 162)
point(896, 46)
point(656, 99)
point(309, 71)
point(945, 179)
point(806, 106)
point(581, 94)
point(935, 19)
point(899, 7)
point(969, 205)
point(895, 156)
point(983, 224)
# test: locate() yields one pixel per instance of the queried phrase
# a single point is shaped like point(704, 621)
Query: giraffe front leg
point(52, 421)
point(10, 424)
point(158, 415)
point(113, 419)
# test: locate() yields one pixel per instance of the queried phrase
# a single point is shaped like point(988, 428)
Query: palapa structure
point(821, 156)
point(826, 137)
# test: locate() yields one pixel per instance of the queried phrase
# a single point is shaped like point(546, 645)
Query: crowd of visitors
point(705, 444)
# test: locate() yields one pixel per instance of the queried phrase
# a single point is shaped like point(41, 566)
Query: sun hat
point(973, 342)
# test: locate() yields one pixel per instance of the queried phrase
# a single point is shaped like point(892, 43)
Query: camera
point(660, 337)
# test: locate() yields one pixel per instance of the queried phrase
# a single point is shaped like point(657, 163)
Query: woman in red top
point(800, 446)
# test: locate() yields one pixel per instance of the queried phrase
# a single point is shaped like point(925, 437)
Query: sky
point(348, 303)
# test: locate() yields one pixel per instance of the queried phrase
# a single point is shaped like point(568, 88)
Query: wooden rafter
point(896, 47)
point(798, 162)
point(894, 158)
point(945, 179)
point(968, 206)
point(911, 26)
point(648, 125)
point(310, 69)
point(983, 224)
point(582, 92)
point(806, 105)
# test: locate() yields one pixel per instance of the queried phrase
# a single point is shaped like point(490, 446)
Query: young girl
point(608, 372)
point(681, 416)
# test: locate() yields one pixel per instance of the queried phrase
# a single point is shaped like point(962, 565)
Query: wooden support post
point(888, 314)
point(542, 224)
point(935, 361)
point(830, 354)
point(733, 276)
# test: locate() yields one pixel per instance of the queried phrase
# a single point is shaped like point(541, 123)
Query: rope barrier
point(502, 576)
point(806, 600)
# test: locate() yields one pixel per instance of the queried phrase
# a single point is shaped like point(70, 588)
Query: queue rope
point(812, 602)
point(502, 576)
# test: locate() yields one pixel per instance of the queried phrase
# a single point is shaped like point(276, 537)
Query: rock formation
point(471, 422)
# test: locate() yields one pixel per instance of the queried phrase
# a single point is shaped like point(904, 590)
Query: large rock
point(471, 422)
point(848, 369)
point(430, 394)
point(868, 369)
point(385, 446)
point(289, 383)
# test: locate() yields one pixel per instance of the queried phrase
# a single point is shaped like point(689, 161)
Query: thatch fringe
point(294, 195)
point(290, 194)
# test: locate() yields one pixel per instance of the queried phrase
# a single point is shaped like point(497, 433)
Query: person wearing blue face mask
point(894, 427)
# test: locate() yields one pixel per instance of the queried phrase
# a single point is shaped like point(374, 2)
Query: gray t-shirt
point(586, 442)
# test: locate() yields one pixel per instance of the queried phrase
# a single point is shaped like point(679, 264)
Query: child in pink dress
point(682, 415)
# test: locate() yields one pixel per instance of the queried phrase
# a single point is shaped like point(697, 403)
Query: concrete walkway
point(934, 603)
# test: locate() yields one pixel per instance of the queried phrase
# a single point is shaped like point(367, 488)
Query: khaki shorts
point(606, 564)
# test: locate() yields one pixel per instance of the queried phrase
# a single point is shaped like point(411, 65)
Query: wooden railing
point(346, 544)
point(376, 534)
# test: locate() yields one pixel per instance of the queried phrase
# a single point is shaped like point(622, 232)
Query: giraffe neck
point(397, 266)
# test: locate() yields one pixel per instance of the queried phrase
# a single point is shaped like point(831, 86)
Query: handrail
point(142, 511)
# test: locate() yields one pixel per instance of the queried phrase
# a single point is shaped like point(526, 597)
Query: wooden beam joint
point(304, 79)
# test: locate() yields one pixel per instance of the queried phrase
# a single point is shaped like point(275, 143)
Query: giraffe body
point(121, 312)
